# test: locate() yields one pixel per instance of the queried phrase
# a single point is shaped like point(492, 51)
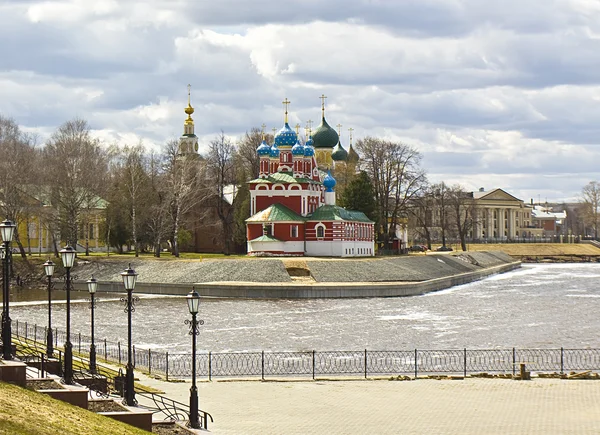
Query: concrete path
point(426, 406)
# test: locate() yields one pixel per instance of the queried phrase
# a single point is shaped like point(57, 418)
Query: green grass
point(24, 412)
point(165, 256)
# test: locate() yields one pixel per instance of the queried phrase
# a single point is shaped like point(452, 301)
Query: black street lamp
point(7, 228)
point(68, 259)
point(92, 286)
point(129, 276)
point(49, 269)
point(193, 301)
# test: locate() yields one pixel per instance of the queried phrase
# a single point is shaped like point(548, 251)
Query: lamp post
point(92, 286)
point(129, 276)
point(49, 269)
point(7, 228)
point(67, 256)
point(193, 301)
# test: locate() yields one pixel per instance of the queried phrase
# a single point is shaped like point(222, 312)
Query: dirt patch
point(42, 384)
point(296, 267)
point(105, 406)
point(169, 429)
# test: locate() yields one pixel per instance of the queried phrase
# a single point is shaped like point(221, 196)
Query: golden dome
point(189, 109)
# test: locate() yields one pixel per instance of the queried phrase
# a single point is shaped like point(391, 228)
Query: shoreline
point(394, 277)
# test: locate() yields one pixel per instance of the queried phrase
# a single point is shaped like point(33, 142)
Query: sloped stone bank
point(189, 271)
point(333, 278)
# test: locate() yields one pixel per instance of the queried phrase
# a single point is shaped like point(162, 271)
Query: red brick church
point(292, 207)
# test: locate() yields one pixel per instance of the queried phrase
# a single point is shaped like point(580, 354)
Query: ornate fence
point(329, 363)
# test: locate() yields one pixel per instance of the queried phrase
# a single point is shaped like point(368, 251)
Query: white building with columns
point(499, 215)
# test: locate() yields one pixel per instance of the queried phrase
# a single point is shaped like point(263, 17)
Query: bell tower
point(188, 142)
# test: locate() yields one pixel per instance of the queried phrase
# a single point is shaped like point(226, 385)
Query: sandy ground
point(425, 406)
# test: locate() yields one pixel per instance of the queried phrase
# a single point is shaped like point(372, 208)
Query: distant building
point(292, 202)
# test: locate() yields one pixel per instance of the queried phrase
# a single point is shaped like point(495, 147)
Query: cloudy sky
point(494, 93)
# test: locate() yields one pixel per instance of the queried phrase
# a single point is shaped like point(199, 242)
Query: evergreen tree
point(359, 195)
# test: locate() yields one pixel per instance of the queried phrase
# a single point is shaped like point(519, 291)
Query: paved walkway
point(426, 406)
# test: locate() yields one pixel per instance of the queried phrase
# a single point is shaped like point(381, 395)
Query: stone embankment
point(301, 278)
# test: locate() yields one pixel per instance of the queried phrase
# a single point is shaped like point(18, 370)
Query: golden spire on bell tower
point(189, 109)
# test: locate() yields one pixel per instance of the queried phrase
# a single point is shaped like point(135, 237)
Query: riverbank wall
point(324, 278)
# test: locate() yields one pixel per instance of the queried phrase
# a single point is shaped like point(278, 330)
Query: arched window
point(320, 231)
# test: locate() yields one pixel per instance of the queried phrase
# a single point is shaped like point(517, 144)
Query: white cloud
point(497, 93)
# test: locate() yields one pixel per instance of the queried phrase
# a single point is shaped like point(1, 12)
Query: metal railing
point(315, 364)
point(105, 383)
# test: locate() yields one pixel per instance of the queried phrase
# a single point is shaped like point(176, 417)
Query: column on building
point(511, 223)
point(490, 217)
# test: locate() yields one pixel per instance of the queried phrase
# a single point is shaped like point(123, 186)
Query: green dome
point(325, 136)
point(339, 153)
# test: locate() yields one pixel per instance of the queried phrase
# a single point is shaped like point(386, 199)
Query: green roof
point(265, 238)
point(282, 177)
point(337, 213)
point(276, 213)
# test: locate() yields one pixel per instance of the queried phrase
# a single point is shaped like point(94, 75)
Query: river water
point(541, 305)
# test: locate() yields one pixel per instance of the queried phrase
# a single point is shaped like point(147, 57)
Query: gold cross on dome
point(350, 130)
point(322, 97)
point(262, 130)
point(286, 102)
point(189, 92)
point(297, 128)
point(308, 128)
point(339, 126)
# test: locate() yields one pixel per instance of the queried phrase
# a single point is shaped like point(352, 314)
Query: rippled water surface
point(549, 305)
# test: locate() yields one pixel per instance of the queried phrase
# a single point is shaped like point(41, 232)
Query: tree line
point(153, 200)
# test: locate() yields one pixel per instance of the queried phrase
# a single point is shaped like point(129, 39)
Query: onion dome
point(274, 153)
point(338, 153)
point(353, 156)
point(309, 150)
point(263, 149)
point(286, 136)
point(298, 149)
point(329, 182)
point(325, 136)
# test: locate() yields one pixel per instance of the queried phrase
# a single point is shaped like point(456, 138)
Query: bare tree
point(158, 222)
point(462, 212)
point(76, 170)
point(422, 210)
point(246, 158)
point(135, 180)
point(591, 199)
point(221, 172)
point(441, 197)
point(397, 177)
point(182, 181)
point(17, 173)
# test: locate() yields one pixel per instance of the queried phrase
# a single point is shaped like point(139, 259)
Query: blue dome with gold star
point(286, 137)
point(263, 149)
point(298, 149)
point(309, 150)
point(274, 153)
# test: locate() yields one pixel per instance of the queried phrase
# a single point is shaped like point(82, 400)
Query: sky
point(493, 93)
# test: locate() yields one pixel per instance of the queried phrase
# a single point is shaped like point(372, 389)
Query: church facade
point(292, 202)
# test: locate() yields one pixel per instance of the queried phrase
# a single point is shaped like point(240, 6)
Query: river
point(540, 305)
